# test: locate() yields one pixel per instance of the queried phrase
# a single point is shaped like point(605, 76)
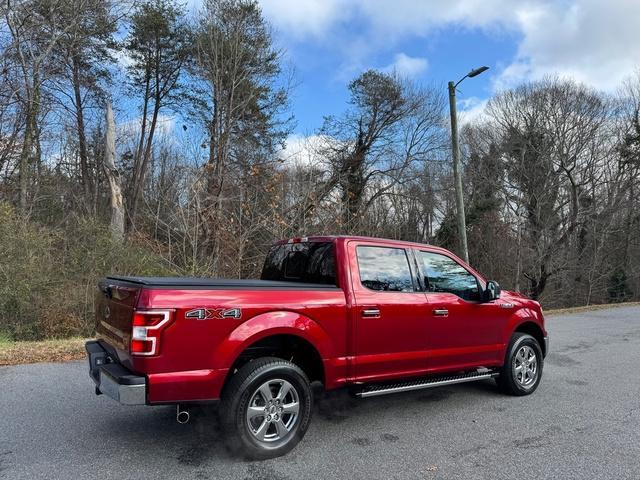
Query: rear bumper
point(113, 379)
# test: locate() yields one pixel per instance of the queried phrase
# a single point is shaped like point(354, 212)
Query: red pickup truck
point(377, 316)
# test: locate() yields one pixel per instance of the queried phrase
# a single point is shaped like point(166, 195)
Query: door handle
point(371, 312)
point(440, 312)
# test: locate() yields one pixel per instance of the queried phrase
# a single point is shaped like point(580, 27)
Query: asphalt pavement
point(583, 422)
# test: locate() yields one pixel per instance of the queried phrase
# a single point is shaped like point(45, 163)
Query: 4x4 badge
point(215, 313)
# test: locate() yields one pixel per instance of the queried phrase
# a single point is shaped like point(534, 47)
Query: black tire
point(242, 435)
point(510, 379)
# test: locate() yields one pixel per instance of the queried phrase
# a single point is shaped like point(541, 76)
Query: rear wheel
point(522, 369)
point(266, 408)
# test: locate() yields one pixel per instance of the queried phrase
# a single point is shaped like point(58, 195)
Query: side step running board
point(385, 389)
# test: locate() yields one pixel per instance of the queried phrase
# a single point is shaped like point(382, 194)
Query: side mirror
point(491, 291)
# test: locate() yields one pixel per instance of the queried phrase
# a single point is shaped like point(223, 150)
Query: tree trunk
point(215, 168)
point(26, 154)
point(134, 185)
point(113, 176)
point(87, 181)
point(142, 173)
point(518, 256)
point(353, 186)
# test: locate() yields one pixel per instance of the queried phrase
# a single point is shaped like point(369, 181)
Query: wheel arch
point(530, 327)
point(283, 334)
point(291, 347)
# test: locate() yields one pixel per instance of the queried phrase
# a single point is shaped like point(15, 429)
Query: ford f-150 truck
point(376, 316)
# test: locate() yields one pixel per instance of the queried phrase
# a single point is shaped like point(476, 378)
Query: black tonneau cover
point(217, 283)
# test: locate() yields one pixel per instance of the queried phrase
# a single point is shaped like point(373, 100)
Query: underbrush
point(48, 275)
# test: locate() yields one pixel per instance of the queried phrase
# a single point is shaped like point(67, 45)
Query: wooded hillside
point(199, 176)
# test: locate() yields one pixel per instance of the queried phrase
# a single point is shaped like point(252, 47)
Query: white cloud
point(301, 150)
point(165, 126)
point(594, 41)
point(307, 150)
point(123, 59)
point(402, 17)
point(316, 17)
point(471, 109)
point(304, 17)
point(407, 66)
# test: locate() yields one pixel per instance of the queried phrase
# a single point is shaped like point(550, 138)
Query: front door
point(390, 331)
point(463, 332)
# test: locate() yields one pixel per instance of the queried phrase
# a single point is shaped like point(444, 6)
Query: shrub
point(48, 275)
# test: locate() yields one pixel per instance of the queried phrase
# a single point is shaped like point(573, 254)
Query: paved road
point(582, 423)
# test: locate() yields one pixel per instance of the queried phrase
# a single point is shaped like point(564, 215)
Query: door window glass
point(384, 269)
point(443, 274)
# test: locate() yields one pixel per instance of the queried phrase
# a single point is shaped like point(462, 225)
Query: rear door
point(389, 334)
point(463, 332)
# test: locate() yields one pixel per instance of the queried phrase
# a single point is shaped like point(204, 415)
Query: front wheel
point(522, 369)
point(266, 408)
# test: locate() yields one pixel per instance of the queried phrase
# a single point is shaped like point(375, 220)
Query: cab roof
point(331, 238)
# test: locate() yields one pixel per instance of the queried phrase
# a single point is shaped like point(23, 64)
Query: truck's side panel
point(292, 323)
point(198, 353)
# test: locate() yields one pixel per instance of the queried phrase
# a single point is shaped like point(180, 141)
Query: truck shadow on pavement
point(200, 441)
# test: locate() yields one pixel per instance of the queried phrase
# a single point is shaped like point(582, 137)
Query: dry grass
point(589, 308)
point(15, 353)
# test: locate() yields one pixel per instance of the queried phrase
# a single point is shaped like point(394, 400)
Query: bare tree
point(390, 126)
point(113, 176)
point(551, 134)
point(79, 71)
point(36, 27)
point(158, 43)
point(242, 105)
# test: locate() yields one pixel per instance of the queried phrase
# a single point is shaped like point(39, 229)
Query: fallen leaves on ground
point(16, 353)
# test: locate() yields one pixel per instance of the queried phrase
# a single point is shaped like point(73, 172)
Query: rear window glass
point(384, 269)
point(309, 262)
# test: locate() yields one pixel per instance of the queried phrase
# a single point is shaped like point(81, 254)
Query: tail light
point(146, 331)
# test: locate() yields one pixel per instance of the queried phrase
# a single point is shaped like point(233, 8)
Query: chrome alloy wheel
point(272, 411)
point(525, 366)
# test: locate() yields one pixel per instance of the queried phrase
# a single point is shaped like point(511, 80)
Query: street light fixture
point(457, 175)
point(475, 72)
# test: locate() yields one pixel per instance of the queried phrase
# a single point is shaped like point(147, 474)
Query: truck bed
point(216, 283)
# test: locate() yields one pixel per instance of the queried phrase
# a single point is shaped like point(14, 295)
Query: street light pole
point(455, 151)
point(457, 177)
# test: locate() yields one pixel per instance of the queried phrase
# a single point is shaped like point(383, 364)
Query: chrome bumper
point(113, 379)
point(126, 394)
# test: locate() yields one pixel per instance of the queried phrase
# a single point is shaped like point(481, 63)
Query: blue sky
point(323, 73)
point(330, 42)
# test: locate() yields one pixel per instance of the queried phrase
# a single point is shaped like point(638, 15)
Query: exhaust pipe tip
point(182, 416)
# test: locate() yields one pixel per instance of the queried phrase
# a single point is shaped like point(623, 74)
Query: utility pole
point(457, 175)
point(455, 153)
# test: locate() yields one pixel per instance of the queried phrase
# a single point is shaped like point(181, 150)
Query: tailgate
point(115, 303)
